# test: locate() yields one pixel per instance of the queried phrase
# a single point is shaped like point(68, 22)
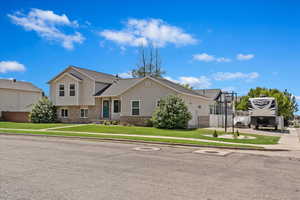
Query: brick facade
point(94, 113)
point(15, 116)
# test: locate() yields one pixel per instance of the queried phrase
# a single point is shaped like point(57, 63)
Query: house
point(17, 99)
point(83, 95)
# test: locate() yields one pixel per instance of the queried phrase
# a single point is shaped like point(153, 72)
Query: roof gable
point(18, 85)
point(93, 75)
point(121, 86)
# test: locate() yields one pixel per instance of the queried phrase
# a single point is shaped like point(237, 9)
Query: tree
point(43, 112)
point(149, 63)
point(187, 86)
point(172, 113)
point(287, 104)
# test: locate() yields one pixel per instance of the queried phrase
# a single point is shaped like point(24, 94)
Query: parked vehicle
point(264, 113)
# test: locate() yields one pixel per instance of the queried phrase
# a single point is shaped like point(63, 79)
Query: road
point(38, 168)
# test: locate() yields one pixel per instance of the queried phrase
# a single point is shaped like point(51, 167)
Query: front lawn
point(170, 141)
point(29, 125)
point(197, 133)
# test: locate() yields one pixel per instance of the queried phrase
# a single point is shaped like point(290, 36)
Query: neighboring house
point(83, 95)
point(17, 99)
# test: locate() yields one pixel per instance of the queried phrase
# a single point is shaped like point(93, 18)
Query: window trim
point(119, 108)
point(131, 102)
point(59, 90)
point(86, 114)
point(72, 90)
point(63, 112)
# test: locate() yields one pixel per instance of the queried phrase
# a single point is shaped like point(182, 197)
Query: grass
point(197, 133)
point(171, 141)
point(29, 125)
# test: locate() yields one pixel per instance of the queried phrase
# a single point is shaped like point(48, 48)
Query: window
point(61, 90)
point(157, 103)
point(84, 113)
point(72, 90)
point(64, 113)
point(117, 106)
point(135, 107)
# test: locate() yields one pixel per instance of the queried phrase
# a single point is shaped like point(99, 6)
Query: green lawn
point(171, 141)
point(197, 133)
point(29, 125)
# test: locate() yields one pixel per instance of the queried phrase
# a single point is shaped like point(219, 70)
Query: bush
point(148, 123)
point(215, 134)
point(106, 122)
point(114, 122)
point(43, 112)
point(172, 113)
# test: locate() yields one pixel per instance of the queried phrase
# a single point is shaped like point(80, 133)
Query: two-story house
point(83, 95)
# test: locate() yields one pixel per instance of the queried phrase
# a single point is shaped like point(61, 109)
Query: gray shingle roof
point(98, 76)
point(18, 85)
point(118, 87)
point(177, 86)
point(211, 93)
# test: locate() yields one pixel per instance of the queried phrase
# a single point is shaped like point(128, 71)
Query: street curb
point(140, 141)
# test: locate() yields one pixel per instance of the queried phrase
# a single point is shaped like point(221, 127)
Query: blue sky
point(233, 45)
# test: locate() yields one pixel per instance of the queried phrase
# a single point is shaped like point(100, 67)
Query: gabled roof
point(122, 85)
point(97, 76)
point(94, 75)
point(211, 93)
point(177, 86)
point(18, 85)
point(119, 86)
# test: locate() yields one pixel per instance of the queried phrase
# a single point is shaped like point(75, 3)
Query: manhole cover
point(212, 152)
point(146, 148)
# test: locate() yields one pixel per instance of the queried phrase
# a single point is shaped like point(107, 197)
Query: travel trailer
point(263, 112)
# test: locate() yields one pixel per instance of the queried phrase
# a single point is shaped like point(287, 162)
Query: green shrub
point(172, 113)
point(148, 123)
point(106, 122)
point(215, 134)
point(237, 133)
point(114, 122)
point(43, 112)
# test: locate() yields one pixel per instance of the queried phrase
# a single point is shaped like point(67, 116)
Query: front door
point(105, 109)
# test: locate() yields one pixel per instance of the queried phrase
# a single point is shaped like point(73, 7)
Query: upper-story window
point(61, 90)
point(72, 90)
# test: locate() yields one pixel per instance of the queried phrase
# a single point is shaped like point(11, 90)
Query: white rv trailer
point(264, 113)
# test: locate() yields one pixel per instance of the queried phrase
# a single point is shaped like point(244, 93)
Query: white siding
point(18, 100)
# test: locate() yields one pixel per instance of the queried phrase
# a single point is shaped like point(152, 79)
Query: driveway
point(55, 168)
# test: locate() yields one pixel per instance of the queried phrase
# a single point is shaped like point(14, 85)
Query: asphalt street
point(39, 168)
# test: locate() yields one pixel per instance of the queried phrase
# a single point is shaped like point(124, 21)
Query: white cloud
point(11, 66)
point(244, 56)
point(46, 24)
point(152, 31)
point(125, 75)
point(298, 98)
point(209, 58)
point(222, 76)
point(195, 82)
